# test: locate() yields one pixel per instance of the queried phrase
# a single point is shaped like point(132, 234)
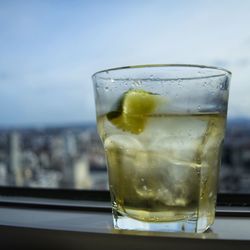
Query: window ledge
point(85, 228)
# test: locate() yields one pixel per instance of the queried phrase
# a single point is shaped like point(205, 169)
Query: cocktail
point(162, 127)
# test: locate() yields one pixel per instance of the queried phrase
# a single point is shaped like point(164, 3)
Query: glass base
point(126, 223)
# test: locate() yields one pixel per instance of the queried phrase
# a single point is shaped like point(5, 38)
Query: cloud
point(48, 53)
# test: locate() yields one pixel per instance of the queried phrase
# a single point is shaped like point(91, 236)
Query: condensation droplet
point(179, 81)
point(136, 83)
point(198, 171)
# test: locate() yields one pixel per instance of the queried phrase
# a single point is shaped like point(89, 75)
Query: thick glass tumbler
point(162, 127)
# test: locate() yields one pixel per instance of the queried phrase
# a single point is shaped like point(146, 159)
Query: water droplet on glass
point(106, 88)
point(179, 82)
point(222, 86)
point(136, 84)
point(198, 171)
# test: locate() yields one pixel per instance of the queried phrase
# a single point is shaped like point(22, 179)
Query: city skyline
point(49, 50)
point(73, 158)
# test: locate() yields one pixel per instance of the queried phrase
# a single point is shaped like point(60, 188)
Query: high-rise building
point(82, 178)
point(70, 144)
point(14, 167)
point(3, 174)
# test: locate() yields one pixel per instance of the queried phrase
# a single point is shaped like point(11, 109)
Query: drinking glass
point(162, 128)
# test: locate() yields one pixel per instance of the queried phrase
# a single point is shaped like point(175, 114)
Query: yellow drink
point(167, 172)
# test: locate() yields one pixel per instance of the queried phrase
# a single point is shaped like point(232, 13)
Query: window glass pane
point(50, 49)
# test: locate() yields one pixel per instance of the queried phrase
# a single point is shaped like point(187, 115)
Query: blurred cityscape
point(235, 170)
point(72, 157)
point(65, 157)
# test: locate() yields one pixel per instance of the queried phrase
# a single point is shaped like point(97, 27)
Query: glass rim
point(142, 66)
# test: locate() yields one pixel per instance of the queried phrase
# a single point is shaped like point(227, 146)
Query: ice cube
point(123, 141)
point(175, 135)
point(168, 182)
point(127, 152)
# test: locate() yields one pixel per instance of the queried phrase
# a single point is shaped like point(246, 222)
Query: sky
point(49, 49)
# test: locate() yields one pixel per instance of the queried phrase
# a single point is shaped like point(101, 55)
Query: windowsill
point(65, 227)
